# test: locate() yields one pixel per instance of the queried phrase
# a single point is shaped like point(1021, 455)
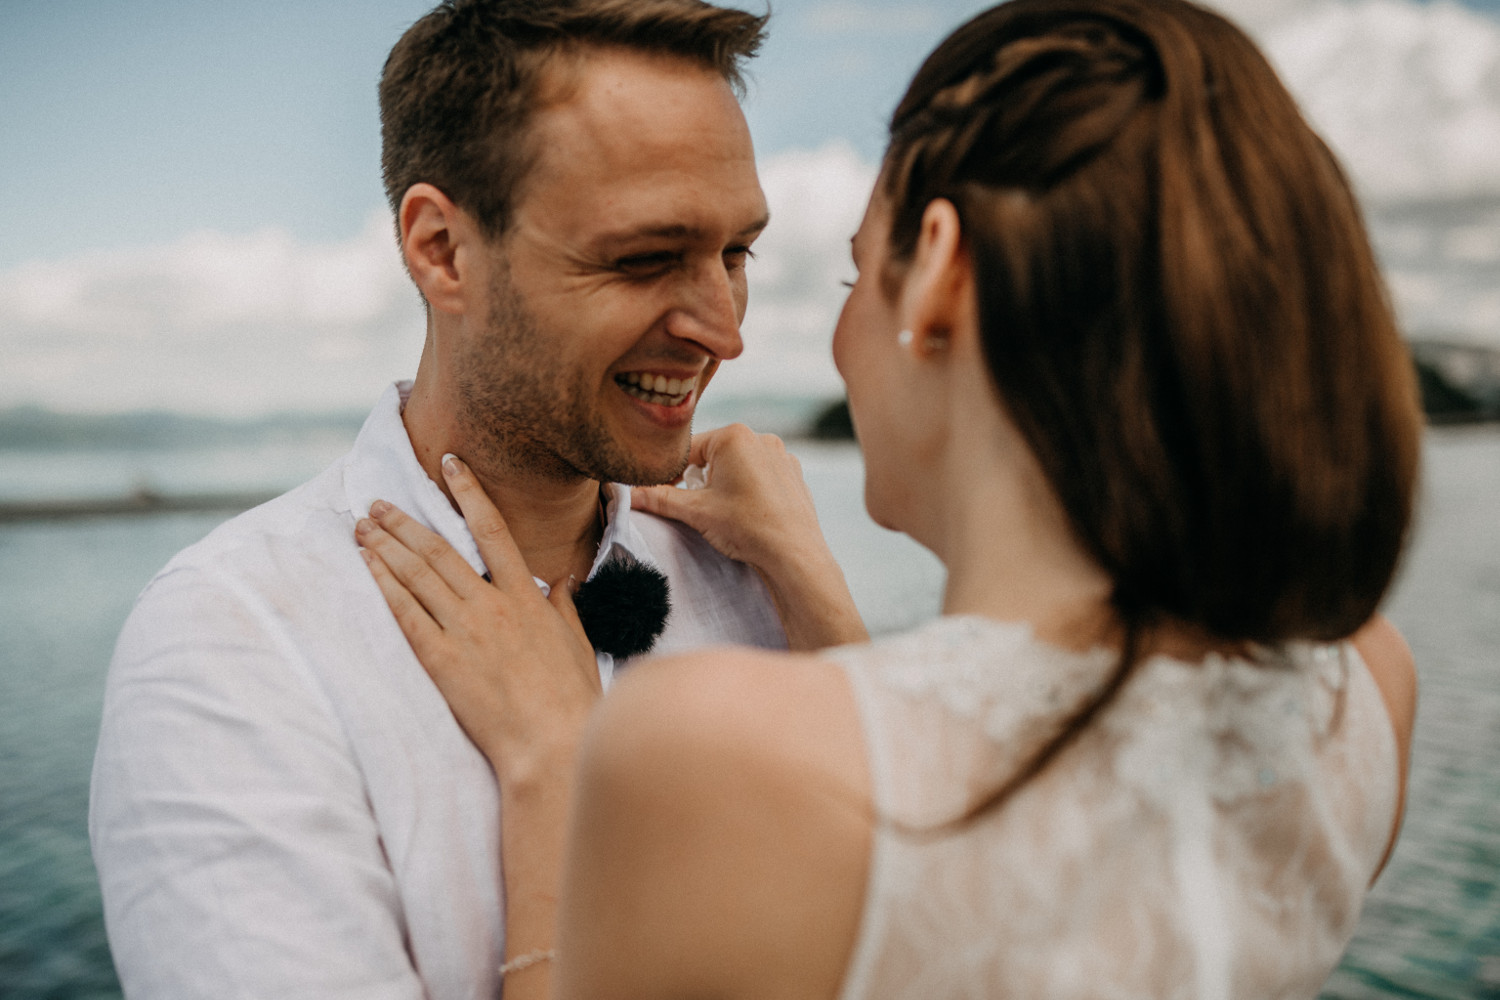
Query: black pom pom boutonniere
point(623, 607)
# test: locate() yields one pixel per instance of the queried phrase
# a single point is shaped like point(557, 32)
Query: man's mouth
point(659, 389)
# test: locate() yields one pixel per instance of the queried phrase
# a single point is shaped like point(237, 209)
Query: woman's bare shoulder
point(723, 801)
point(784, 726)
point(734, 700)
point(1394, 670)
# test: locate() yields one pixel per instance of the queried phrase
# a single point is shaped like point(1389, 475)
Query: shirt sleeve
point(236, 846)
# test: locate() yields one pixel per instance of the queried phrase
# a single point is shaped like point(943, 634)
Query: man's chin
point(646, 472)
point(662, 476)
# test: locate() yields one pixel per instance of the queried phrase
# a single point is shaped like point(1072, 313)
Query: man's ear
point(433, 231)
point(935, 299)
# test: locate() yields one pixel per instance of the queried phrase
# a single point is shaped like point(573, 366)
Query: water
point(1431, 929)
point(1432, 926)
point(64, 591)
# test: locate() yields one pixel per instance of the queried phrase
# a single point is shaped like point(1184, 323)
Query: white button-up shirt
point(283, 805)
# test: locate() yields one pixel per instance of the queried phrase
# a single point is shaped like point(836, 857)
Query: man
point(283, 805)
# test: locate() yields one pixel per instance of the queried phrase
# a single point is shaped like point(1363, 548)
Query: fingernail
point(572, 584)
point(366, 554)
point(379, 508)
point(450, 464)
point(364, 526)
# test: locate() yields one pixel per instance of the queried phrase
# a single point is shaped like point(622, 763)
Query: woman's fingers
point(419, 627)
point(700, 445)
point(420, 560)
point(755, 507)
point(501, 654)
point(665, 501)
point(561, 599)
point(496, 546)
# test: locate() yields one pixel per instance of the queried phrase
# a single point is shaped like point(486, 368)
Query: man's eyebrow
point(755, 228)
point(676, 231)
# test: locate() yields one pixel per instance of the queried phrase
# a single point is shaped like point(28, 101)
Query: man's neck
point(556, 524)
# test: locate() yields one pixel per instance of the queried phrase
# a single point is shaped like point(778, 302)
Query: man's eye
point(737, 257)
point(648, 261)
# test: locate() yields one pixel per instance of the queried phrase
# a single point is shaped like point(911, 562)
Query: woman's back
point(1212, 835)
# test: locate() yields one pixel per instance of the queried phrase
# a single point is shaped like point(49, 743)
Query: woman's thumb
point(561, 598)
point(664, 501)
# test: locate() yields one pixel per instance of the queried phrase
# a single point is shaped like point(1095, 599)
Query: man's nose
point(709, 314)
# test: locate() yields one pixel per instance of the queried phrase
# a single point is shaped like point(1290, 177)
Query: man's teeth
point(657, 389)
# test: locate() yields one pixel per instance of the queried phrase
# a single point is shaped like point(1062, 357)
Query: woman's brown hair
point(1180, 310)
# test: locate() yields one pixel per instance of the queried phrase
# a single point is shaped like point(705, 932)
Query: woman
point(1118, 354)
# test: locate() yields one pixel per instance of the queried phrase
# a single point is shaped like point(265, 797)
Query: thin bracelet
point(527, 960)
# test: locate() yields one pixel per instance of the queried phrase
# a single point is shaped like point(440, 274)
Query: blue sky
point(129, 123)
point(191, 199)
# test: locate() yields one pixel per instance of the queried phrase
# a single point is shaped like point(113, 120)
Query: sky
point(193, 219)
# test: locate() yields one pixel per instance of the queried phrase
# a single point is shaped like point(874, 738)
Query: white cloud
point(248, 324)
point(211, 323)
point(1256, 15)
point(817, 199)
point(1408, 95)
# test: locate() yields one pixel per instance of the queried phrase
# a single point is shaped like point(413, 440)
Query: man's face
point(620, 284)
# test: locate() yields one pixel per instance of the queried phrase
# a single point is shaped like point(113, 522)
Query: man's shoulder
point(303, 521)
point(274, 599)
point(274, 553)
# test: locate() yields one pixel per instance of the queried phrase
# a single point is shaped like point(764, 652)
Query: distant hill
point(1460, 382)
point(833, 423)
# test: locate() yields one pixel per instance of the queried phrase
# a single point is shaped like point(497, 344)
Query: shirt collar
point(383, 466)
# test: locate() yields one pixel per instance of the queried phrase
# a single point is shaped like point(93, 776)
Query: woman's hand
point(757, 509)
point(521, 678)
point(514, 665)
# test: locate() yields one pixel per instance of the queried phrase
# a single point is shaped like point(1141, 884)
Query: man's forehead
point(574, 71)
point(645, 146)
point(621, 105)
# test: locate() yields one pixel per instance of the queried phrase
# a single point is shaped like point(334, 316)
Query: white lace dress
point(1211, 835)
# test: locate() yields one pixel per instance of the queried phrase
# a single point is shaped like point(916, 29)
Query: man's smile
point(653, 387)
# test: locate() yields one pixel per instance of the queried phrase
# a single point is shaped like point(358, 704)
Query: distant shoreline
point(1460, 385)
point(140, 503)
point(147, 502)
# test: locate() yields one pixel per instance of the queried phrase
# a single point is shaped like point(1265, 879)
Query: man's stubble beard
point(518, 413)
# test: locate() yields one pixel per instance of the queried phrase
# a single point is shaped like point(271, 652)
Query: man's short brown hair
point(460, 87)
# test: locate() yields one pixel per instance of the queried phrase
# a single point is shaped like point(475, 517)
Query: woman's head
point(1178, 306)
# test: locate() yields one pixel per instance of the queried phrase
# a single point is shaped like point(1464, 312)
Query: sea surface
point(1431, 928)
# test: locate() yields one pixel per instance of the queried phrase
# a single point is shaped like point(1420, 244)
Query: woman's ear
point(936, 294)
point(432, 228)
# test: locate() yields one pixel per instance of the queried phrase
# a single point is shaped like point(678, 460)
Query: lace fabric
point(1211, 835)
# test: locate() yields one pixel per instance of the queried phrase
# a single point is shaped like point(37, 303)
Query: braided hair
point(1180, 310)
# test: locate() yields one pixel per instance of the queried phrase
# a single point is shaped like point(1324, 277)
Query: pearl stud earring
point(905, 338)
